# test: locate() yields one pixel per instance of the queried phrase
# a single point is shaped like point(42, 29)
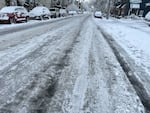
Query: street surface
point(66, 66)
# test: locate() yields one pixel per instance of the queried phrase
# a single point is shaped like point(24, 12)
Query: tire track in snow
point(81, 83)
point(24, 49)
point(109, 90)
point(130, 74)
point(63, 100)
point(133, 77)
point(98, 97)
point(60, 53)
point(14, 40)
point(74, 83)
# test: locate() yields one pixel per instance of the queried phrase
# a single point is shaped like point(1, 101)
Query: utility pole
point(108, 10)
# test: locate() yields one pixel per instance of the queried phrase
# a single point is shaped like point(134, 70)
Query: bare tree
point(14, 2)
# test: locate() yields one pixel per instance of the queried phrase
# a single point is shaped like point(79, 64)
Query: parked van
point(54, 12)
point(63, 12)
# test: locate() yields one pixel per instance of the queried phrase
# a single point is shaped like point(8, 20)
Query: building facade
point(145, 6)
point(29, 4)
point(129, 7)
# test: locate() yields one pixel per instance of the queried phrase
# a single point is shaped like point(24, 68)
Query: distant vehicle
point(147, 17)
point(54, 12)
point(40, 12)
point(80, 12)
point(63, 12)
point(72, 12)
point(98, 14)
point(13, 14)
point(86, 12)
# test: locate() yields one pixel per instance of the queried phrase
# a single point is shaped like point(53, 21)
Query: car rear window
point(52, 9)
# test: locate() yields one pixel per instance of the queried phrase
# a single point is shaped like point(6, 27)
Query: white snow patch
point(133, 36)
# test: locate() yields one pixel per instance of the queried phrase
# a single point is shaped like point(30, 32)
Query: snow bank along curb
point(128, 68)
point(14, 28)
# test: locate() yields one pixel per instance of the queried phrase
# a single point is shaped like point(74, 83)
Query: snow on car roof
point(9, 8)
point(39, 10)
point(98, 12)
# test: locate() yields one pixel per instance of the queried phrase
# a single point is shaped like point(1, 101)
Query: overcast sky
point(87, 0)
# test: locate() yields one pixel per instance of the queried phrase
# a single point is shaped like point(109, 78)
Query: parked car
point(72, 12)
point(80, 12)
point(98, 14)
point(54, 12)
point(13, 14)
point(40, 12)
point(63, 12)
point(147, 17)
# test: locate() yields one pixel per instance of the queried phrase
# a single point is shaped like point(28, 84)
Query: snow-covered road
point(63, 67)
point(129, 39)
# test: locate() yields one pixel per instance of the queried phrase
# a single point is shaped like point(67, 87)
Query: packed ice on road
point(67, 69)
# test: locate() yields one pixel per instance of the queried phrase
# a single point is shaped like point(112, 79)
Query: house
point(145, 6)
point(120, 8)
point(129, 7)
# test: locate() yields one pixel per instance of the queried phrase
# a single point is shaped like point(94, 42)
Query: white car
point(147, 17)
point(13, 14)
point(40, 12)
point(72, 12)
point(63, 12)
point(98, 14)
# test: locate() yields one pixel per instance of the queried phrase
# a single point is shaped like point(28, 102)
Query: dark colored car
point(13, 14)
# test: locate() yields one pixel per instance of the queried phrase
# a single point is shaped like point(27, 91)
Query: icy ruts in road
point(136, 74)
point(68, 69)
